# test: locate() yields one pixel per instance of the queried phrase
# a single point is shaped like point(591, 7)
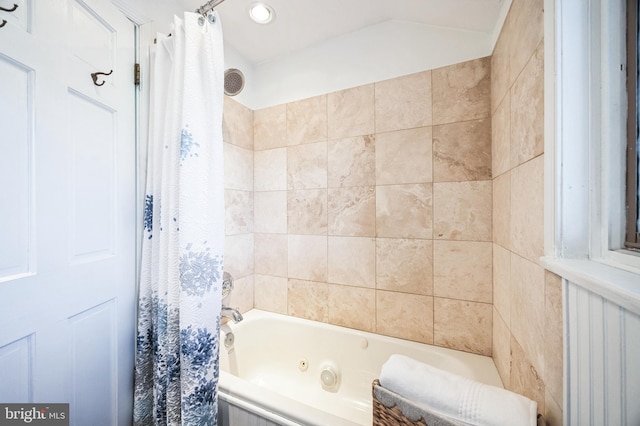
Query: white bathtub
point(273, 370)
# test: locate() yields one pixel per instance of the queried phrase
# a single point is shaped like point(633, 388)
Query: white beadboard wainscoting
point(602, 343)
point(603, 360)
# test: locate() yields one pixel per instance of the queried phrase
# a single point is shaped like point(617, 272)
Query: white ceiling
point(304, 23)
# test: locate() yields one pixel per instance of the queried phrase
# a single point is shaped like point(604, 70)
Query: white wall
point(378, 52)
point(386, 50)
point(158, 13)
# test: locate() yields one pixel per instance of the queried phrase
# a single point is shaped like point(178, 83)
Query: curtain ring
point(211, 17)
point(94, 76)
point(201, 20)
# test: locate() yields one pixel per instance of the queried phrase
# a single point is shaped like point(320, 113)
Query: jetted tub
point(281, 370)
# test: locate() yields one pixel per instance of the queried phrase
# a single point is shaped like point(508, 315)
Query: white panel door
point(67, 208)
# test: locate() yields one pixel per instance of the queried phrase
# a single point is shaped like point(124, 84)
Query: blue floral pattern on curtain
point(177, 369)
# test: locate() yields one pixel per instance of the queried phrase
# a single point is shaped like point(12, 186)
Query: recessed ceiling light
point(261, 13)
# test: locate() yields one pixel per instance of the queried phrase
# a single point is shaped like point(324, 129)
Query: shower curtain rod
point(208, 7)
point(202, 10)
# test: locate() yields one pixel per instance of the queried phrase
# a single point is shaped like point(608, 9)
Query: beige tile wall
point(410, 207)
point(239, 202)
point(373, 207)
point(527, 308)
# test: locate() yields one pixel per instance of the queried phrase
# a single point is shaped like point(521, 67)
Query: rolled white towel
point(456, 397)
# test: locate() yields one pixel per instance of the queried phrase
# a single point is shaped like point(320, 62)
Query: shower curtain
point(176, 372)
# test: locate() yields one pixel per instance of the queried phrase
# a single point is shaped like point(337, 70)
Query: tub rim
point(259, 400)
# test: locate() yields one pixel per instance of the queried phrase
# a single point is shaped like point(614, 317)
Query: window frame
point(585, 163)
point(609, 220)
point(585, 147)
point(632, 238)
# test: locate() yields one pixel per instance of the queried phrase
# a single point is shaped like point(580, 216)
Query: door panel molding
point(17, 254)
point(16, 367)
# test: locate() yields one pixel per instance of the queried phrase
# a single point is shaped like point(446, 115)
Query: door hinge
point(136, 74)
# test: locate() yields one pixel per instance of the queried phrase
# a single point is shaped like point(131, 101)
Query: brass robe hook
point(15, 6)
point(94, 76)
